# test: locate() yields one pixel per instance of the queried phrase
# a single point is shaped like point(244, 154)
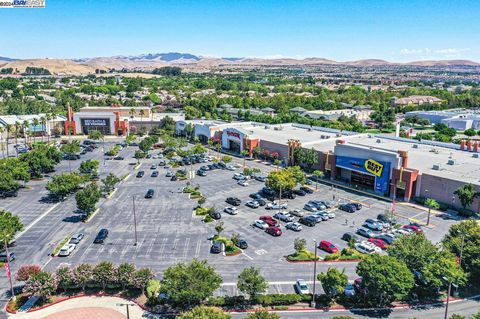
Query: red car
point(415, 228)
point(269, 220)
point(328, 247)
point(378, 242)
point(274, 231)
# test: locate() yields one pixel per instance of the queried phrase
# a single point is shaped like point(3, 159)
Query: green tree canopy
point(281, 180)
point(88, 198)
point(95, 135)
point(251, 282)
point(333, 281)
point(109, 183)
point(262, 314)
point(64, 184)
point(203, 312)
point(466, 194)
point(9, 225)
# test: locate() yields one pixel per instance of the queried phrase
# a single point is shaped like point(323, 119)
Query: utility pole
point(134, 221)
point(313, 304)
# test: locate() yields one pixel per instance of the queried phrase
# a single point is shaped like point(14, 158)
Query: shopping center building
point(381, 164)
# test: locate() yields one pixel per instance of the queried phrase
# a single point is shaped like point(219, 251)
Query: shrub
point(279, 299)
point(26, 271)
point(202, 201)
point(153, 287)
point(201, 211)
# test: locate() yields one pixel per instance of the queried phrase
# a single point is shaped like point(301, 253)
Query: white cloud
point(427, 53)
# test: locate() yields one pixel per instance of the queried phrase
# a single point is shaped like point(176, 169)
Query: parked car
point(261, 178)
point(316, 218)
point(101, 236)
point(268, 191)
point(296, 212)
point(3, 256)
point(239, 176)
point(388, 238)
point(323, 215)
point(293, 226)
point(201, 173)
point(347, 208)
point(255, 196)
point(140, 174)
point(149, 193)
point(274, 231)
point(231, 210)
point(215, 215)
point(261, 202)
point(66, 250)
point(169, 174)
point(387, 219)
point(318, 204)
point(242, 244)
point(76, 238)
point(284, 217)
point(299, 192)
point(372, 224)
point(301, 287)
point(233, 201)
point(260, 224)
point(307, 190)
point(328, 247)
point(276, 205)
point(174, 178)
point(415, 228)
point(216, 247)
point(252, 204)
point(358, 206)
point(243, 183)
point(154, 166)
point(365, 232)
point(310, 207)
point(378, 242)
point(364, 249)
point(154, 174)
point(308, 221)
point(269, 220)
point(349, 236)
point(10, 193)
point(230, 167)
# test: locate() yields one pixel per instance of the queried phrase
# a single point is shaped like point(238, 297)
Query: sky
point(342, 30)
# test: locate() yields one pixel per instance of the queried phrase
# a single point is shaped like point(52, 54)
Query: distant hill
point(5, 59)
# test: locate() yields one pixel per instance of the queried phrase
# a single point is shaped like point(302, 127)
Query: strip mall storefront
point(237, 140)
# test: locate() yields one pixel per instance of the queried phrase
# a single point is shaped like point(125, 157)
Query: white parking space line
point(197, 250)
point(162, 248)
point(247, 256)
point(185, 250)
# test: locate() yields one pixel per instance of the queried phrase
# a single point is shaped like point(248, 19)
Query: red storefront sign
point(234, 134)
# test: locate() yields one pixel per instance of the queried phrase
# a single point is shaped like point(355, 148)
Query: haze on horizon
point(393, 30)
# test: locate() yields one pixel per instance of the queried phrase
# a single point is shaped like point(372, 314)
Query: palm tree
point(17, 130)
point(1, 140)
point(35, 123)
point(318, 174)
point(244, 153)
point(25, 127)
point(142, 113)
point(43, 121)
point(9, 128)
point(132, 112)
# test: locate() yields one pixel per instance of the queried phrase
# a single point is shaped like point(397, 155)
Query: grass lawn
point(303, 255)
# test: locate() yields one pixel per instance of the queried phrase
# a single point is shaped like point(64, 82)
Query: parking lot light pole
point(313, 304)
point(134, 221)
point(450, 284)
point(127, 305)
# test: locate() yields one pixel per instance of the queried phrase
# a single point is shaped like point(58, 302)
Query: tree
point(333, 281)
point(299, 244)
point(71, 148)
point(227, 159)
point(83, 274)
point(95, 135)
point(431, 204)
point(385, 279)
point(104, 273)
point(318, 174)
point(282, 180)
point(8, 183)
point(262, 314)
point(26, 271)
point(219, 227)
point(64, 277)
point(88, 198)
point(467, 232)
point(42, 284)
point(203, 312)
point(244, 154)
point(9, 225)
point(141, 278)
point(109, 183)
point(199, 149)
point(190, 284)
point(139, 155)
point(466, 194)
point(89, 168)
point(305, 158)
point(470, 132)
point(251, 282)
point(125, 274)
point(189, 130)
point(64, 184)
point(18, 169)
point(297, 174)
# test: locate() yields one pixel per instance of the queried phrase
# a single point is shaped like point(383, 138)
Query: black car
point(201, 172)
point(307, 190)
point(174, 178)
point(268, 191)
point(140, 174)
point(255, 196)
point(242, 244)
point(387, 219)
point(154, 174)
point(101, 236)
point(357, 206)
point(216, 247)
point(347, 208)
point(3, 256)
point(10, 193)
point(308, 221)
point(211, 167)
point(119, 158)
point(233, 201)
point(349, 236)
point(215, 215)
point(149, 193)
point(299, 192)
point(261, 202)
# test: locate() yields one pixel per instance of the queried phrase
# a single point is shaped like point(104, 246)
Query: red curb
point(234, 254)
point(322, 261)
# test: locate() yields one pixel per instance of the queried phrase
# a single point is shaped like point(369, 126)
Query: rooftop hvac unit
point(338, 134)
point(369, 135)
point(266, 127)
point(379, 140)
point(451, 162)
point(415, 146)
point(436, 167)
point(475, 155)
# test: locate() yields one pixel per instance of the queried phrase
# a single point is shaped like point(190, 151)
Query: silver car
point(294, 226)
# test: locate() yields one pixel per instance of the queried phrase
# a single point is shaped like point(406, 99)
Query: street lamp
point(313, 304)
point(450, 284)
point(127, 305)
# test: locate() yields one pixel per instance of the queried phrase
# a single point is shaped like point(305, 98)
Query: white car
point(364, 249)
point(252, 204)
point(302, 287)
point(372, 224)
point(260, 224)
point(372, 245)
point(296, 212)
point(230, 167)
point(276, 205)
point(400, 232)
point(169, 174)
point(231, 210)
point(331, 215)
point(239, 176)
point(294, 226)
point(66, 250)
point(242, 183)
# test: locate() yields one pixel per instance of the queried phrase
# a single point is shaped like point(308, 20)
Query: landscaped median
point(205, 212)
point(230, 248)
point(303, 255)
point(57, 248)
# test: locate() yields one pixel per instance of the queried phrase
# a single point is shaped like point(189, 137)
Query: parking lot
point(168, 232)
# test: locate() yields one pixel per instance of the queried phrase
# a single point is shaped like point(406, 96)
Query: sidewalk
point(90, 307)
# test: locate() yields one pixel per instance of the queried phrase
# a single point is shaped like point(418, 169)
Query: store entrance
point(234, 146)
point(364, 181)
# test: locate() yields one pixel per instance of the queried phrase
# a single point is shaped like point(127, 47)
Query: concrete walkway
point(91, 307)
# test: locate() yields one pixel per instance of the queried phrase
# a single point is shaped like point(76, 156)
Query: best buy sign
point(373, 167)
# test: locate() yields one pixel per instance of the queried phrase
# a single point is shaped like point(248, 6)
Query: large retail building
point(381, 164)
